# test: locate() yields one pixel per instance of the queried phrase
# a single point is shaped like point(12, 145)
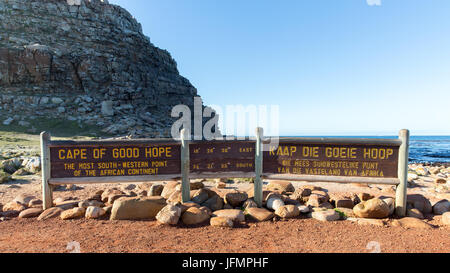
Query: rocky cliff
point(86, 61)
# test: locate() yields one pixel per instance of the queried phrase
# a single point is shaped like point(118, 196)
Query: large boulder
point(169, 215)
point(221, 222)
point(259, 214)
point(446, 219)
point(214, 203)
point(373, 208)
point(287, 211)
point(194, 216)
point(326, 215)
point(169, 188)
point(281, 186)
point(30, 213)
point(419, 202)
point(74, 213)
point(50, 213)
point(234, 214)
point(236, 199)
point(94, 212)
point(14, 206)
point(441, 207)
point(274, 203)
point(137, 208)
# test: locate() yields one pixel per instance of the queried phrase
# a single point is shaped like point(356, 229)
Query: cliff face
point(67, 58)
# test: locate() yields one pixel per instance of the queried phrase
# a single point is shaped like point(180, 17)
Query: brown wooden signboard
point(222, 157)
point(370, 161)
point(113, 160)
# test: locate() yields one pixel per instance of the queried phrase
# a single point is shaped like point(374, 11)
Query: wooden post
point(185, 166)
point(47, 193)
point(258, 190)
point(400, 201)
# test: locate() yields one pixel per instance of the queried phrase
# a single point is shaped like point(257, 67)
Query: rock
point(441, 207)
point(175, 198)
point(94, 212)
point(412, 177)
point(234, 214)
point(199, 196)
point(314, 200)
point(214, 203)
point(185, 206)
point(107, 108)
point(236, 199)
point(300, 193)
point(414, 213)
point(364, 196)
point(446, 219)
point(440, 181)
point(250, 203)
point(274, 203)
point(137, 208)
point(74, 213)
point(282, 186)
point(128, 187)
point(50, 213)
point(8, 121)
point(419, 202)
point(344, 203)
point(345, 213)
point(410, 222)
point(66, 205)
point(110, 192)
point(14, 206)
point(169, 215)
point(366, 222)
point(168, 189)
point(259, 214)
point(221, 222)
point(30, 213)
point(197, 185)
point(221, 185)
point(326, 215)
point(288, 211)
point(155, 190)
point(391, 203)
point(90, 203)
point(10, 214)
point(423, 171)
point(35, 203)
point(304, 209)
point(373, 208)
point(194, 216)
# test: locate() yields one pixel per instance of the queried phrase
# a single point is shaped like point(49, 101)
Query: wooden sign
point(371, 161)
point(114, 160)
point(222, 157)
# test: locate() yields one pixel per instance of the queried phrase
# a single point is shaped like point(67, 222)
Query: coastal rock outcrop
point(85, 61)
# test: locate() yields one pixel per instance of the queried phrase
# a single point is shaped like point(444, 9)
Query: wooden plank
point(120, 179)
point(332, 179)
point(109, 142)
point(258, 191)
point(402, 188)
point(47, 194)
point(185, 165)
point(337, 141)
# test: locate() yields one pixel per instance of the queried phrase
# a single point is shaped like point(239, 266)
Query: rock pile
point(228, 208)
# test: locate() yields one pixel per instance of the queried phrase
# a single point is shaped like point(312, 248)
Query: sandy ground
point(292, 236)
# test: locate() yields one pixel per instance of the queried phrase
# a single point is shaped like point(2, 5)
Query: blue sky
point(335, 67)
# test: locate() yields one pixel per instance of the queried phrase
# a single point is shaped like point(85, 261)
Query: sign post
point(401, 195)
point(47, 194)
point(185, 165)
point(258, 191)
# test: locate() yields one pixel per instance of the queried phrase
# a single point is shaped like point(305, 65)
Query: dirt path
point(293, 236)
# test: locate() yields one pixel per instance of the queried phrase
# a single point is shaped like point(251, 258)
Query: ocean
point(423, 149)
